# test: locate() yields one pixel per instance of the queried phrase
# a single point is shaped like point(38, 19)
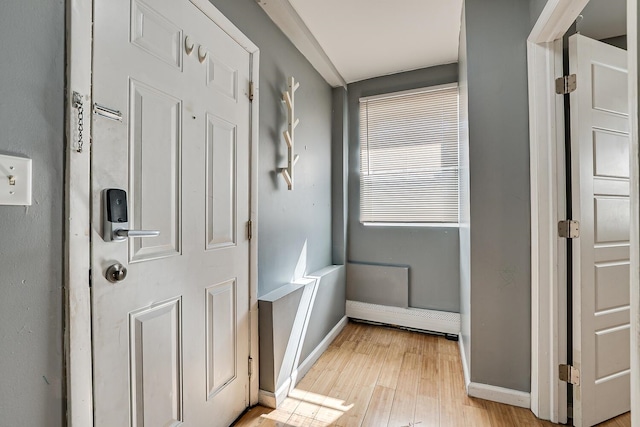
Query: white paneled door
point(171, 339)
point(600, 201)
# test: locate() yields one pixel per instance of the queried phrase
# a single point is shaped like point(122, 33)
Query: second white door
point(600, 201)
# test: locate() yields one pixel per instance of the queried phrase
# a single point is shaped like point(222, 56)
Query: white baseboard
point(304, 367)
point(490, 392)
point(500, 394)
point(273, 400)
point(416, 318)
point(465, 366)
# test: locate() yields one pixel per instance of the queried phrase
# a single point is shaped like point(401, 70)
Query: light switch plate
point(15, 180)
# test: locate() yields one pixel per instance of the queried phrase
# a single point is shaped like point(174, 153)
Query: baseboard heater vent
point(415, 318)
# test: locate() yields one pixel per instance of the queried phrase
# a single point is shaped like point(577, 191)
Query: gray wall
point(328, 308)
point(500, 291)
point(535, 9)
point(278, 312)
point(465, 201)
point(620, 41)
point(431, 253)
point(294, 226)
point(31, 120)
point(339, 164)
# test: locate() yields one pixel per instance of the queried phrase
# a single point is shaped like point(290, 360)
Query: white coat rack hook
point(288, 98)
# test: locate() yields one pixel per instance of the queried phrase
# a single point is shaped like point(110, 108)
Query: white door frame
point(548, 263)
point(78, 346)
point(632, 49)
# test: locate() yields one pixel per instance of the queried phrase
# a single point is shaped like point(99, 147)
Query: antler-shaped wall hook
point(289, 98)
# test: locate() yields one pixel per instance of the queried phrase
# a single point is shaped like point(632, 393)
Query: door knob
point(122, 233)
point(116, 273)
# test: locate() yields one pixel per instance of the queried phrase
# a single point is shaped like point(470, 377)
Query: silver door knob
point(116, 273)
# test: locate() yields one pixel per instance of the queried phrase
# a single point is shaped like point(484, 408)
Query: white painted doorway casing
point(78, 334)
point(600, 202)
point(546, 118)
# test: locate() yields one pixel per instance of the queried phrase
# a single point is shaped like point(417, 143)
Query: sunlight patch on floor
point(305, 408)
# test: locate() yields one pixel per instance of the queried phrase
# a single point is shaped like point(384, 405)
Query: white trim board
point(490, 392)
point(313, 357)
point(465, 365)
point(632, 36)
point(77, 329)
point(415, 318)
point(78, 346)
point(499, 394)
point(548, 263)
point(273, 400)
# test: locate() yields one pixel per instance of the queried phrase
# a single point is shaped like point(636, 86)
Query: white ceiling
point(602, 19)
point(370, 38)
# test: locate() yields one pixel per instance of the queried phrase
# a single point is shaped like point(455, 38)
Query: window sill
point(412, 224)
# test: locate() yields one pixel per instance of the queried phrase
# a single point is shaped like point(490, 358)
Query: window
point(409, 156)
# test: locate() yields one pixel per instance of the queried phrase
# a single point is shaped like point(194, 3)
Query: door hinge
point(249, 229)
point(90, 279)
point(569, 374)
point(569, 229)
point(250, 91)
point(566, 84)
point(250, 366)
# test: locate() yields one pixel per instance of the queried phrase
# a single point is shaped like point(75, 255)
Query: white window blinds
point(409, 157)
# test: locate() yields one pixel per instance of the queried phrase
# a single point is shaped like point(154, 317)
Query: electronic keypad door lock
point(115, 218)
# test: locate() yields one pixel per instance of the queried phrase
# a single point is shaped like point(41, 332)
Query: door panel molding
point(155, 161)
point(148, 383)
point(78, 345)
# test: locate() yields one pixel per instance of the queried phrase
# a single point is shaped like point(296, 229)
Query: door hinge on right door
point(569, 374)
point(566, 84)
point(568, 229)
point(249, 229)
point(251, 91)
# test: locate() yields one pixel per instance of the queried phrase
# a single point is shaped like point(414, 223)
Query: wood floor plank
point(358, 404)
point(446, 346)
point(448, 386)
point(369, 374)
point(393, 361)
point(328, 416)
point(360, 396)
point(389, 376)
point(500, 414)
point(252, 417)
point(379, 407)
point(451, 415)
point(404, 401)
point(382, 335)
point(429, 375)
point(427, 412)
point(345, 382)
point(476, 417)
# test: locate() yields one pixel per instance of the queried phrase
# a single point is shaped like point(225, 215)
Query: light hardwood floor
point(378, 376)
